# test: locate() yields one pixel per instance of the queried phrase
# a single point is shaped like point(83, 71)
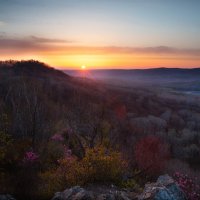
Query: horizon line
point(126, 69)
point(76, 68)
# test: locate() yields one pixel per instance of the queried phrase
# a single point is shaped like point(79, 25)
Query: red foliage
point(121, 111)
point(151, 154)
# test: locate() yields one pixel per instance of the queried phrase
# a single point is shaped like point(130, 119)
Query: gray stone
point(83, 195)
point(123, 196)
point(106, 197)
point(68, 193)
point(78, 193)
point(164, 189)
point(6, 197)
point(165, 180)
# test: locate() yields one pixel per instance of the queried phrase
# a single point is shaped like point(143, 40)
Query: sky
point(102, 33)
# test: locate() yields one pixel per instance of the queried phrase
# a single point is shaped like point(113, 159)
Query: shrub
point(50, 182)
point(103, 165)
point(5, 143)
point(99, 165)
point(57, 137)
point(25, 176)
point(188, 185)
point(6, 160)
point(72, 170)
point(53, 151)
point(30, 157)
point(12, 158)
point(131, 184)
point(151, 155)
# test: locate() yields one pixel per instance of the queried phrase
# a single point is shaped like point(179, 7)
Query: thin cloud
point(17, 44)
point(52, 46)
point(29, 44)
point(2, 34)
point(2, 23)
point(161, 50)
point(148, 50)
point(48, 40)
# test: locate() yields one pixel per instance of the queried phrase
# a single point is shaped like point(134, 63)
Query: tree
point(151, 154)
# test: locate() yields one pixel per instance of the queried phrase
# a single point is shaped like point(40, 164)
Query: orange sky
point(102, 34)
point(93, 57)
point(65, 54)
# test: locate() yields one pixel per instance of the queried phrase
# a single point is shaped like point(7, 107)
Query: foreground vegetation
point(57, 131)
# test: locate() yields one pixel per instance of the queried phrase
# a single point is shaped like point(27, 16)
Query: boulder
point(74, 193)
point(106, 197)
point(78, 193)
point(6, 197)
point(164, 189)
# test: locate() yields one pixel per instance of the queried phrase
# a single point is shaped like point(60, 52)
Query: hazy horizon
point(122, 68)
point(110, 34)
point(99, 99)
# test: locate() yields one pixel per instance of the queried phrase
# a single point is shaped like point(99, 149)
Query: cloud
point(48, 40)
point(2, 34)
point(29, 44)
point(2, 23)
point(158, 50)
point(147, 50)
point(15, 44)
point(53, 46)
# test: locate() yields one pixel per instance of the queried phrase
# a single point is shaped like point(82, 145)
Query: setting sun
point(83, 67)
point(99, 98)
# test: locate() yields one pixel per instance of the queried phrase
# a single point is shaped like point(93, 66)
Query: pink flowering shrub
point(30, 157)
point(26, 177)
point(99, 165)
point(67, 152)
point(188, 185)
point(57, 137)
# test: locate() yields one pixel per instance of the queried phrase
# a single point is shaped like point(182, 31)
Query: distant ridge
point(147, 73)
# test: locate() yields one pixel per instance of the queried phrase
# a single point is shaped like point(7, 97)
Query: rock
point(123, 196)
point(69, 193)
point(164, 189)
point(57, 196)
point(165, 180)
point(74, 193)
point(98, 193)
point(106, 197)
point(83, 195)
point(6, 197)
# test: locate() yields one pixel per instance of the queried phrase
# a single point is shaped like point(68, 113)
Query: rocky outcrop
point(164, 189)
point(6, 197)
point(78, 193)
point(73, 193)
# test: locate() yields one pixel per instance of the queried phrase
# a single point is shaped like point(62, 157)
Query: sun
point(83, 67)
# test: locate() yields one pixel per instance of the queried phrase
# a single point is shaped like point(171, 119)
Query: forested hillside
point(58, 131)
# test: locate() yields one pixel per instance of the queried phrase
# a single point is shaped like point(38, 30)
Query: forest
point(58, 131)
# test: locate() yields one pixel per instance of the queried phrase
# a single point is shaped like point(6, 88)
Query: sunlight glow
point(83, 67)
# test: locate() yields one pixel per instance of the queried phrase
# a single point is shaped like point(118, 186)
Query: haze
point(102, 34)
